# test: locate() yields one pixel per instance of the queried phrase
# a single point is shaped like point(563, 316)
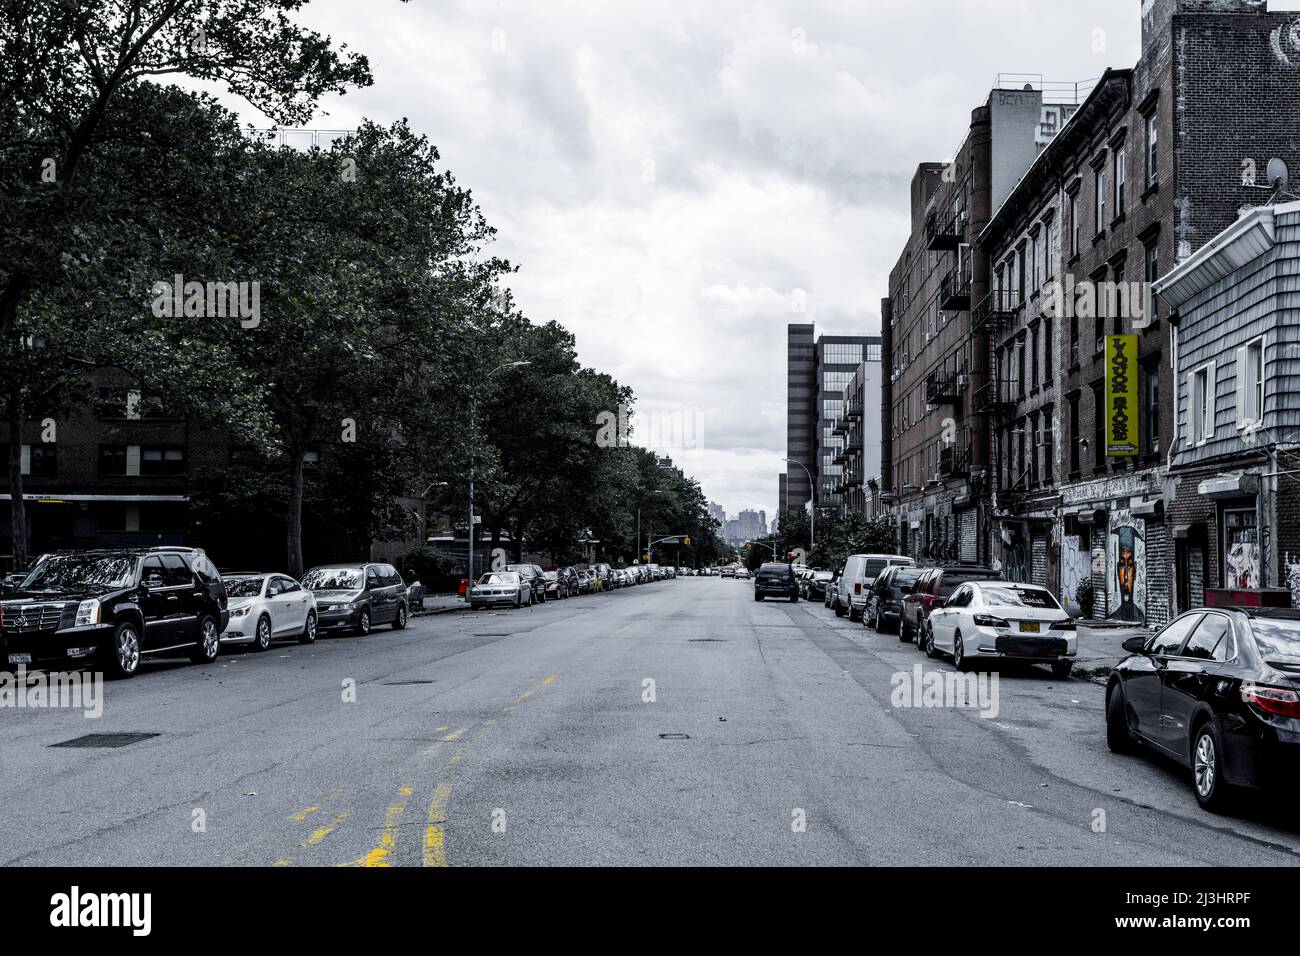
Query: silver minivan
point(850, 595)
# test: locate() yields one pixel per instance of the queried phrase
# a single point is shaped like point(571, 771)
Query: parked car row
point(523, 585)
point(1217, 689)
point(116, 607)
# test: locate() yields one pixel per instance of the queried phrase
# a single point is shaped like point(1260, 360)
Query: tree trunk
point(294, 517)
point(18, 507)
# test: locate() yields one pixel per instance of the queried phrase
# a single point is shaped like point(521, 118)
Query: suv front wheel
point(122, 656)
point(209, 642)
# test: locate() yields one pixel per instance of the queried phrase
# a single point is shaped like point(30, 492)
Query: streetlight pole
point(473, 438)
point(812, 498)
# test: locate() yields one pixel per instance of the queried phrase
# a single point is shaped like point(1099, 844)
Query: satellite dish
point(1278, 175)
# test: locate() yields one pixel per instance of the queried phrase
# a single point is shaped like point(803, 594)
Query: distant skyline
point(678, 181)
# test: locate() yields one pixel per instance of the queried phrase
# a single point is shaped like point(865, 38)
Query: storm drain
point(674, 736)
point(405, 683)
point(706, 640)
point(105, 740)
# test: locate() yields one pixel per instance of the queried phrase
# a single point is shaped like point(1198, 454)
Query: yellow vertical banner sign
point(1121, 395)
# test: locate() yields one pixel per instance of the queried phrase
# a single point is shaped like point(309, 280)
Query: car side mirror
point(1135, 645)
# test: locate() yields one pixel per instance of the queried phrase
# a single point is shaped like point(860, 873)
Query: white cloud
point(669, 176)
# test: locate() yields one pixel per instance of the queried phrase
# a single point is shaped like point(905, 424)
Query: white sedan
point(264, 607)
point(999, 620)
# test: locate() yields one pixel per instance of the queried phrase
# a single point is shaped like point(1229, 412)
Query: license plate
point(1030, 627)
point(20, 658)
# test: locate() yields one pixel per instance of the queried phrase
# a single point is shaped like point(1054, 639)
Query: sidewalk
point(442, 604)
point(1100, 646)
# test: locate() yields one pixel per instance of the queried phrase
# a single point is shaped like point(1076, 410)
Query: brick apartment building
point(1156, 161)
point(934, 432)
point(121, 468)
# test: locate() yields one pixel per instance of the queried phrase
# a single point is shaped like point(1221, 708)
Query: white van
point(850, 595)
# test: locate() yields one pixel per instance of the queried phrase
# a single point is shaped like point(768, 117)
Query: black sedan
point(1218, 690)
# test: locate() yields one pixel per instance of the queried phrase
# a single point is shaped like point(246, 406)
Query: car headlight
point(87, 613)
point(239, 612)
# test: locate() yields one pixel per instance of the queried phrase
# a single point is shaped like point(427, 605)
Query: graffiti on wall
point(1292, 572)
point(1076, 569)
point(1127, 569)
point(1015, 553)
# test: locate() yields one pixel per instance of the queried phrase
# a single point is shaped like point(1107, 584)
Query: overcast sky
point(673, 179)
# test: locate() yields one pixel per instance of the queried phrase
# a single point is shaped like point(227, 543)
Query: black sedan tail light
point(1282, 701)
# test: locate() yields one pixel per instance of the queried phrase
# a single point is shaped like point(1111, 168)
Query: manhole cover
point(404, 683)
point(105, 740)
point(674, 736)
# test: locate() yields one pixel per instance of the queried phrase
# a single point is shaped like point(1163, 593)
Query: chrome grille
point(30, 618)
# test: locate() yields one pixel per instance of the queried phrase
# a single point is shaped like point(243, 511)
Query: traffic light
point(687, 541)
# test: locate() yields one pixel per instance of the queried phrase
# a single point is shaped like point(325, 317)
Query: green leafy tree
point(66, 70)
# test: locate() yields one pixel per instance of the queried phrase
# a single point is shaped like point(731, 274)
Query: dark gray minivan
point(356, 597)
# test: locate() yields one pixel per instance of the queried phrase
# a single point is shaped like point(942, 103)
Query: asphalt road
point(532, 737)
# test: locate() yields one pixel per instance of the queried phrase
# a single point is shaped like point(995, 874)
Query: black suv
point(776, 580)
point(112, 607)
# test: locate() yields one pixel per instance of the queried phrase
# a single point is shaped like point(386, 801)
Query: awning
point(1148, 509)
point(1228, 486)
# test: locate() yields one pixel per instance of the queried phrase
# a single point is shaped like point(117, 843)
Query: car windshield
point(243, 587)
point(907, 577)
point(75, 572)
point(1010, 596)
point(499, 577)
point(1277, 640)
point(953, 580)
point(333, 579)
point(821, 575)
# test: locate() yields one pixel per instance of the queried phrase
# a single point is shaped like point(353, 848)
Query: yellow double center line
point(380, 855)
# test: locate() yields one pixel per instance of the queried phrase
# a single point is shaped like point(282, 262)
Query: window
point(1153, 165)
point(1074, 340)
point(1211, 641)
point(162, 461)
point(1034, 255)
point(1033, 360)
point(1049, 458)
point(112, 459)
point(1074, 435)
point(1033, 450)
point(1049, 350)
point(43, 460)
point(1020, 369)
point(1099, 184)
point(1020, 274)
point(1121, 177)
point(1120, 303)
point(1250, 383)
point(1098, 428)
point(1201, 389)
point(176, 571)
point(1171, 638)
point(1074, 224)
point(1153, 408)
point(152, 573)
